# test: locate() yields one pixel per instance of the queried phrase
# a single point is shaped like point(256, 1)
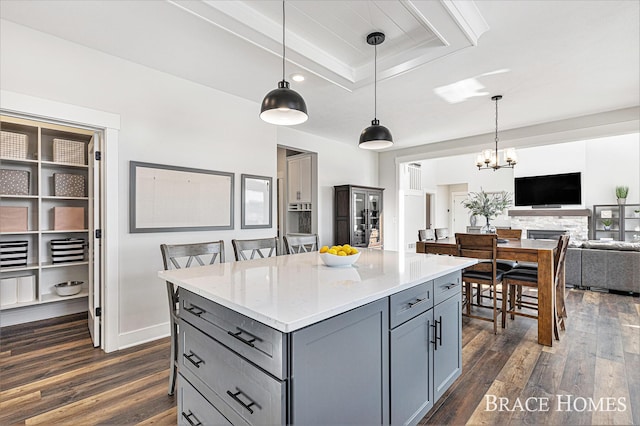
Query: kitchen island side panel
point(340, 369)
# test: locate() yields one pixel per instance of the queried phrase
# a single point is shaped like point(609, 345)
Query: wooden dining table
point(539, 251)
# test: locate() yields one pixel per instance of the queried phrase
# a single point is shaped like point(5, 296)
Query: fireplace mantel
point(551, 212)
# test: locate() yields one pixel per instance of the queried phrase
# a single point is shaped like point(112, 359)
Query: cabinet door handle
point(190, 359)
point(193, 309)
point(417, 302)
point(435, 335)
point(245, 341)
point(239, 401)
point(188, 418)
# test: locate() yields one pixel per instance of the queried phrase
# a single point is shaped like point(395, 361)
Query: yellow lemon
point(346, 247)
point(336, 248)
point(332, 251)
point(353, 250)
point(324, 249)
point(342, 253)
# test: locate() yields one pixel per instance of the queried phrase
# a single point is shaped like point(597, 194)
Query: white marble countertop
point(294, 291)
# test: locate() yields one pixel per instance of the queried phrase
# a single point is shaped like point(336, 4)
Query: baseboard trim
point(143, 335)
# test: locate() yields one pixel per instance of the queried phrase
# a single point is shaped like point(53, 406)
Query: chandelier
point(489, 159)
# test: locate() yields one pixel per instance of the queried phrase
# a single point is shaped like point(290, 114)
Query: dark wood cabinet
point(358, 216)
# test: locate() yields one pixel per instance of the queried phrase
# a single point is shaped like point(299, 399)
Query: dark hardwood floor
point(50, 373)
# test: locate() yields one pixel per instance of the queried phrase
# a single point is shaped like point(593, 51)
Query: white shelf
point(20, 233)
point(48, 265)
point(52, 297)
point(18, 160)
point(29, 267)
point(53, 197)
point(68, 165)
point(19, 197)
point(63, 231)
point(19, 305)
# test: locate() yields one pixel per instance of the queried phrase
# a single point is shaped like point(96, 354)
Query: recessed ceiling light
point(297, 77)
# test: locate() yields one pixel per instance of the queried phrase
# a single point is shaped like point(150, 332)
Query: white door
point(95, 279)
point(459, 214)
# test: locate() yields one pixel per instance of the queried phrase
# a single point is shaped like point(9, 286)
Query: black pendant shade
point(283, 106)
point(375, 136)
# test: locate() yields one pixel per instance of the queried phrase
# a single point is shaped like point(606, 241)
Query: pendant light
point(488, 160)
point(375, 136)
point(283, 106)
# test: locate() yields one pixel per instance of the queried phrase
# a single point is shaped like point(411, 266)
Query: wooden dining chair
point(178, 256)
point(518, 278)
point(259, 248)
point(484, 274)
point(300, 243)
point(509, 234)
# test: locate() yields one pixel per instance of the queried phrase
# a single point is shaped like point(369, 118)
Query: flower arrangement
point(488, 205)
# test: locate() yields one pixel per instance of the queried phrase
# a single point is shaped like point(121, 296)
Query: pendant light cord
point(496, 131)
point(283, 23)
point(375, 82)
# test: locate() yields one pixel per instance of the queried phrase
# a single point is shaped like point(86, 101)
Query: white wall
point(167, 120)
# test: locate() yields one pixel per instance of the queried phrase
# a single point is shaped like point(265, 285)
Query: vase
point(607, 227)
point(622, 201)
point(473, 219)
point(488, 228)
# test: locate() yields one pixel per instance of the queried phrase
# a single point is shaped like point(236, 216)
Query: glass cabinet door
point(373, 219)
point(359, 212)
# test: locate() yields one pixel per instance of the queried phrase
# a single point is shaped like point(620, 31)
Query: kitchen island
point(289, 340)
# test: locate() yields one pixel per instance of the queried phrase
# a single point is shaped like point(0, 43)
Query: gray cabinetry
point(622, 222)
point(340, 369)
point(358, 216)
point(411, 370)
point(384, 362)
point(447, 355)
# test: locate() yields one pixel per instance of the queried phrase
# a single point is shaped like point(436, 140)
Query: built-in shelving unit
point(625, 222)
point(33, 283)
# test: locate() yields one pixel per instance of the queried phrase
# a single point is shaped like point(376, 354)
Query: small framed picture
point(605, 214)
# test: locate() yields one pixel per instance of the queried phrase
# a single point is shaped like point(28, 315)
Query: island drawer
point(447, 286)
point(242, 392)
point(409, 303)
point(193, 408)
point(260, 344)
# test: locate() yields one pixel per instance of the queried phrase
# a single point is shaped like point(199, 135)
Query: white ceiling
point(550, 60)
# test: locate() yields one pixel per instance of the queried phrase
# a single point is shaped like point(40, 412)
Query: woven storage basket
point(66, 151)
point(13, 145)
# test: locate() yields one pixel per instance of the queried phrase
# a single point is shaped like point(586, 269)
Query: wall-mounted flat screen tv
point(549, 190)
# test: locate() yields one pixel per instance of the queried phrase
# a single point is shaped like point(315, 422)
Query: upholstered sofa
point(611, 265)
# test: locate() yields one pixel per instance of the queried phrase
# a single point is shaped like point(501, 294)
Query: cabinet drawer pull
point(190, 358)
point(193, 309)
point(450, 286)
point(245, 341)
point(188, 418)
point(417, 302)
point(239, 401)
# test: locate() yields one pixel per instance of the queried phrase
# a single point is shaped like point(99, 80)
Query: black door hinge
point(98, 312)
point(98, 233)
point(98, 155)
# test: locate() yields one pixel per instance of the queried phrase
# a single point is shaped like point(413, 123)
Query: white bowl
point(68, 288)
point(333, 260)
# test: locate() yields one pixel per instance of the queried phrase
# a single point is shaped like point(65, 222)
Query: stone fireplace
point(553, 222)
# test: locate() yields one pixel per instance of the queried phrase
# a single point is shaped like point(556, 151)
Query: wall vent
point(415, 176)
